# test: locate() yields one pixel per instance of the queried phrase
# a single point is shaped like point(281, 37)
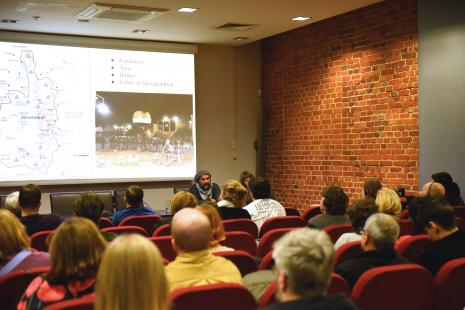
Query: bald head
point(434, 190)
point(191, 230)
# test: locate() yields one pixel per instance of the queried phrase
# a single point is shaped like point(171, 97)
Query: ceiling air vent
point(119, 12)
point(235, 27)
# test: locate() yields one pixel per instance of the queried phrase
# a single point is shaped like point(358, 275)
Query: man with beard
point(203, 189)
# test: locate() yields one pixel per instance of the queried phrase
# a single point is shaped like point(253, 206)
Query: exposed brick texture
point(340, 101)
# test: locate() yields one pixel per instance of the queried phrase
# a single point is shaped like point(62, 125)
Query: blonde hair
point(76, 249)
point(131, 276)
point(13, 237)
point(388, 202)
point(182, 200)
point(217, 228)
point(234, 192)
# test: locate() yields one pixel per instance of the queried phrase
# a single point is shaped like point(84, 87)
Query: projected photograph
point(143, 130)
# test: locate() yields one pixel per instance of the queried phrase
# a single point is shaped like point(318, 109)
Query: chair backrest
point(460, 223)
point(459, 211)
point(62, 203)
point(412, 284)
point(245, 225)
point(239, 240)
point(146, 222)
point(267, 261)
point(266, 243)
point(162, 230)
point(292, 211)
point(118, 199)
point(224, 296)
point(311, 212)
point(281, 222)
point(411, 247)
point(120, 230)
point(269, 295)
point(407, 227)
point(39, 240)
point(13, 285)
point(347, 250)
point(85, 302)
point(448, 285)
point(163, 243)
point(336, 230)
point(244, 261)
point(104, 222)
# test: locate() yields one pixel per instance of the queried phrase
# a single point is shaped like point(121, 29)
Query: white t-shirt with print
point(262, 209)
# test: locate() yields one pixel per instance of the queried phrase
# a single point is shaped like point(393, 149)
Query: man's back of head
point(191, 230)
point(434, 190)
point(335, 200)
point(260, 188)
point(436, 213)
point(134, 196)
point(29, 196)
point(381, 231)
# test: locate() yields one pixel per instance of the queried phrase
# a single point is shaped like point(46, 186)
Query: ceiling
point(270, 16)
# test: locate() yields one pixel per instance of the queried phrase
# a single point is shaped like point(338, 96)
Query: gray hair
point(382, 231)
point(305, 257)
point(12, 204)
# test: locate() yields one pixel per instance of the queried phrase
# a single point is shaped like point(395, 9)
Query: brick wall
point(340, 103)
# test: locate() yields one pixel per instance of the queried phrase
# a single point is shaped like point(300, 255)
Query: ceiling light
point(241, 38)
point(9, 21)
point(187, 10)
point(140, 30)
point(301, 18)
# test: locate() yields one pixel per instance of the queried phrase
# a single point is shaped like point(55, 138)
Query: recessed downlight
point(300, 18)
point(187, 10)
point(241, 38)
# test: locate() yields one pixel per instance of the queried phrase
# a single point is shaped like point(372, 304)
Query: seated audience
point(195, 264)
point(358, 213)
point(379, 238)
point(90, 206)
point(179, 201)
point(451, 188)
point(438, 220)
point(76, 249)
point(131, 276)
point(371, 188)
point(12, 204)
point(217, 229)
point(244, 179)
point(262, 207)
point(389, 202)
point(434, 190)
point(203, 189)
point(29, 201)
point(134, 200)
point(304, 263)
point(233, 196)
point(415, 204)
point(15, 247)
point(333, 206)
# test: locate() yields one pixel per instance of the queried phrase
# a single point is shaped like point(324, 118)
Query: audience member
point(333, 206)
point(12, 204)
point(90, 206)
point(29, 201)
point(244, 179)
point(217, 229)
point(131, 276)
point(451, 188)
point(438, 220)
point(433, 189)
point(262, 207)
point(134, 200)
point(415, 204)
point(15, 247)
point(389, 202)
point(378, 240)
point(304, 263)
point(371, 188)
point(203, 188)
point(233, 196)
point(179, 201)
point(358, 213)
point(195, 264)
point(75, 249)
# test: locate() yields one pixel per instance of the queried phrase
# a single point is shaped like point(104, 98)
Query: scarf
point(204, 194)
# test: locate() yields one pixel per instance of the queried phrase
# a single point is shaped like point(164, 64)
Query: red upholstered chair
point(245, 225)
point(336, 230)
point(224, 296)
point(346, 251)
point(239, 240)
point(407, 227)
point(163, 243)
point(269, 296)
point(83, 303)
point(104, 223)
point(267, 261)
point(412, 247)
point(292, 211)
point(459, 211)
point(120, 230)
point(13, 285)
point(244, 261)
point(281, 222)
point(266, 243)
point(406, 286)
point(39, 240)
point(163, 230)
point(146, 222)
point(311, 212)
point(448, 285)
point(460, 223)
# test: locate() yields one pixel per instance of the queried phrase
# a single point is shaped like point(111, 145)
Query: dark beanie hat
point(442, 177)
point(200, 173)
